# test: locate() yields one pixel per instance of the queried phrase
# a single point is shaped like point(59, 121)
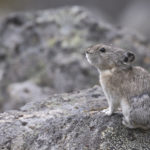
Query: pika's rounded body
point(124, 85)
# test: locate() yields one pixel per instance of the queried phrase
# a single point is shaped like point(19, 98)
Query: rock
point(140, 22)
point(47, 47)
point(68, 121)
point(22, 93)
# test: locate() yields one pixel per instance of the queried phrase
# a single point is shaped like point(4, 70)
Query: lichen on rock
point(43, 52)
point(69, 121)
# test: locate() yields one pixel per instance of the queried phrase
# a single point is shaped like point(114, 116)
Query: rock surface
point(47, 48)
point(44, 51)
point(68, 122)
point(24, 92)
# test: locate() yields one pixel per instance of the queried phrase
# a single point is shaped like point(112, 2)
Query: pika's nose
point(87, 52)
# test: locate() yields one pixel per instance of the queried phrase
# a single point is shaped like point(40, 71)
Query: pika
point(124, 85)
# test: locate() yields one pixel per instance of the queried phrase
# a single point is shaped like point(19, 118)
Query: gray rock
point(135, 17)
point(24, 92)
point(68, 122)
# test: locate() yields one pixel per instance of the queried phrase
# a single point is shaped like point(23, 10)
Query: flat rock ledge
point(68, 122)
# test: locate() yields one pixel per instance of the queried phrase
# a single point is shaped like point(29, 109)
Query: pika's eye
point(103, 50)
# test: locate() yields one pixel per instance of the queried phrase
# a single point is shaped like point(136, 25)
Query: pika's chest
point(110, 87)
point(105, 84)
point(105, 79)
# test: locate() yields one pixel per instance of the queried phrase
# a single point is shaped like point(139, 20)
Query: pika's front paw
point(107, 111)
point(127, 124)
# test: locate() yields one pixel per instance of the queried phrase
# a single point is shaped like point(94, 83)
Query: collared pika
point(123, 84)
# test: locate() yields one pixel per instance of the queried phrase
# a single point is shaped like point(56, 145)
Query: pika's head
point(106, 57)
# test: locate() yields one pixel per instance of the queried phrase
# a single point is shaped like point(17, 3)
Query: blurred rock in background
point(132, 14)
point(24, 92)
point(136, 16)
point(106, 7)
point(46, 48)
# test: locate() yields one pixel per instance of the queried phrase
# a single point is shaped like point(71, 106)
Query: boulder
point(68, 122)
point(23, 92)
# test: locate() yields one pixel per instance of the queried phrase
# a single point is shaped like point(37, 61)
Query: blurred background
point(42, 43)
point(134, 14)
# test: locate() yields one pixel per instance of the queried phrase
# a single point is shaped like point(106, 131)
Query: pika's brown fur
point(123, 84)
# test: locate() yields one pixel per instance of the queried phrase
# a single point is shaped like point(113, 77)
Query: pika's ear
point(128, 57)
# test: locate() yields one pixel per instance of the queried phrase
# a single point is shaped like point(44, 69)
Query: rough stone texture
point(44, 51)
point(69, 122)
